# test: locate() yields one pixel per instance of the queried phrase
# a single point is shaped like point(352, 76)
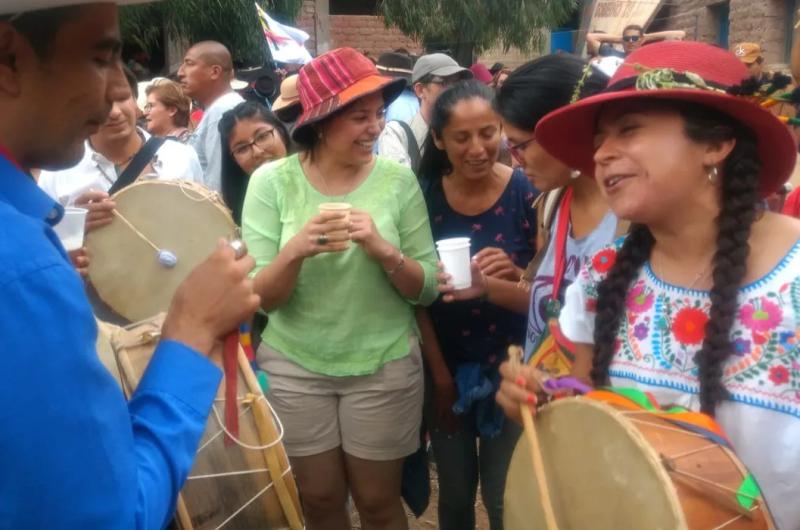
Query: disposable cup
point(454, 253)
point(343, 207)
point(71, 228)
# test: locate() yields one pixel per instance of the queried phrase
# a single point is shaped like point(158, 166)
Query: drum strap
point(561, 243)
point(138, 163)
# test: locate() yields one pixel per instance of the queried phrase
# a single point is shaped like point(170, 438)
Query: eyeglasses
point(262, 140)
point(631, 38)
point(517, 151)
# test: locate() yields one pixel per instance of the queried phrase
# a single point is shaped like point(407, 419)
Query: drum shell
point(205, 503)
point(607, 469)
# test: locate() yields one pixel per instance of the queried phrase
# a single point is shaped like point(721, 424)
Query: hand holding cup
point(325, 232)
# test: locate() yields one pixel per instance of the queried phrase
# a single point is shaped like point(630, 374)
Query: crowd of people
point(635, 205)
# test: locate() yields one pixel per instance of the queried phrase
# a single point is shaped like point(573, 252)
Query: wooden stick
point(514, 356)
point(267, 433)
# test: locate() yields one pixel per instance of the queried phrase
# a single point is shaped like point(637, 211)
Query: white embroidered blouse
point(663, 329)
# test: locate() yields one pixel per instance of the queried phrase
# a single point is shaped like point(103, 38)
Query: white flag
point(286, 44)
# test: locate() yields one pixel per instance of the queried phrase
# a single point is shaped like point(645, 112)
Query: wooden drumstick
point(514, 355)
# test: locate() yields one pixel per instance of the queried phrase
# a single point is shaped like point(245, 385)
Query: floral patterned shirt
point(663, 329)
point(477, 331)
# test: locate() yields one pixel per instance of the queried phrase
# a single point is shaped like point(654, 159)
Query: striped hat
point(334, 80)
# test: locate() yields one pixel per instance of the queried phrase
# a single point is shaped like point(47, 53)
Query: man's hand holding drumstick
point(214, 300)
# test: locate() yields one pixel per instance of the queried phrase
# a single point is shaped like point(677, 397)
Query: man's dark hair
point(633, 27)
point(40, 27)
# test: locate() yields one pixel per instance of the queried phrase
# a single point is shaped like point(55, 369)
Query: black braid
point(612, 292)
point(739, 209)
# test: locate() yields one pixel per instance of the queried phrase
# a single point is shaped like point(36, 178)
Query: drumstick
point(514, 356)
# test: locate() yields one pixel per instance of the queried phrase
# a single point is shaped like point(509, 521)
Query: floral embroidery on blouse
point(664, 328)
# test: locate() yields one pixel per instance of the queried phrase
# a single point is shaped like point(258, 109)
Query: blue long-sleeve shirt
point(73, 452)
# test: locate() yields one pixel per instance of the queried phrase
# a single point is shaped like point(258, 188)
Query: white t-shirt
point(172, 161)
point(206, 140)
point(393, 141)
point(662, 330)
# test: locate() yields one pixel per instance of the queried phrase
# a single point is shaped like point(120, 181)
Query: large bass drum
point(613, 464)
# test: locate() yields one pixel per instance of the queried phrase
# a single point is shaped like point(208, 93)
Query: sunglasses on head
point(631, 38)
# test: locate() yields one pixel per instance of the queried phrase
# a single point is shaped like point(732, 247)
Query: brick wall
point(305, 21)
point(368, 33)
point(364, 33)
point(761, 21)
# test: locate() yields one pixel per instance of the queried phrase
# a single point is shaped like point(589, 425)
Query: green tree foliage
point(232, 22)
point(478, 24)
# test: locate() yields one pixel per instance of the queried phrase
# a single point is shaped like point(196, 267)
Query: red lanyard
point(562, 228)
point(8, 156)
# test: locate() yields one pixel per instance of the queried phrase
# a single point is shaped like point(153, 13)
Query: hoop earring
point(713, 175)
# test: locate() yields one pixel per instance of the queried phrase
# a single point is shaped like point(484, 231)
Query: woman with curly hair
point(700, 304)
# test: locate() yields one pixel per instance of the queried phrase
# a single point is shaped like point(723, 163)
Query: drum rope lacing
point(248, 400)
point(668, 463)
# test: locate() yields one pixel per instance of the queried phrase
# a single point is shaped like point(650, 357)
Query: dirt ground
point(429, 519)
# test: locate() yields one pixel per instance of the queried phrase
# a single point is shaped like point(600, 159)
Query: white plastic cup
point(454, 253)
point(71, 228)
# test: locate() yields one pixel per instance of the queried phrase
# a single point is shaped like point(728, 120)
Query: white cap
point(10, 7)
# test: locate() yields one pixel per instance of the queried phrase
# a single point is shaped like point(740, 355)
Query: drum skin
point(606, 470)
point(182, 217)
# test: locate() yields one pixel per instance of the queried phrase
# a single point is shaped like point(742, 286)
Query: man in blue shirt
point(73, 453)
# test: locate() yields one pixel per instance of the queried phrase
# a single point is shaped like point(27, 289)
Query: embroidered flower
point(477, 227)
point(591, 305)
point(604, 260)
point(742, 347)
point(787, 338)
point(762, 316)
point(640, 299)
point(779, 375)
point(689, 326)
point(499, 211)
point(641, 331)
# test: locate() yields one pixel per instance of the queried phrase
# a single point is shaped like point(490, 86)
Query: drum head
point(181, 217)
point(601, 472)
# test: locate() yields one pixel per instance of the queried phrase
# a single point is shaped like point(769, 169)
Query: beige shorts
point(373, 417)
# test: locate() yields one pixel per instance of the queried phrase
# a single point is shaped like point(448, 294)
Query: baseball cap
point(748, 52)
point(437, 64)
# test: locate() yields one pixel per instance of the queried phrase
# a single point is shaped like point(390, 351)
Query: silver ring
point(239, 248)
point(322, 240)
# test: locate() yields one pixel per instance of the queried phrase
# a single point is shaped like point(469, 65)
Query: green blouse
point(344, 316)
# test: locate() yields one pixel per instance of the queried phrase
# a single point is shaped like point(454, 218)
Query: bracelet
point(399, 266)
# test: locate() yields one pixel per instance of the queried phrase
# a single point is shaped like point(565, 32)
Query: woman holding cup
point(340, 283)
point(468, 193)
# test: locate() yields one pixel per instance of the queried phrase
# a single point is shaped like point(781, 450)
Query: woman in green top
point(340, 347)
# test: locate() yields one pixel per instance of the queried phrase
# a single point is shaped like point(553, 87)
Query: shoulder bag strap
point(137, 165)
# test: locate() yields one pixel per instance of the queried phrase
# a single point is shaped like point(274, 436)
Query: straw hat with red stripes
point(336, 79)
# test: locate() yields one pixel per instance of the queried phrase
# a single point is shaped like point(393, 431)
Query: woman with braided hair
point(700, 304)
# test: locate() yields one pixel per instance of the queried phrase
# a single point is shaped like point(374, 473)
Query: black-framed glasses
point(518, 150)
point(631, 38)
point(263, 139)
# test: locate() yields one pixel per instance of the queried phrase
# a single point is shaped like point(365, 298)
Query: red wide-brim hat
point(336, 79)
point(672, 70)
